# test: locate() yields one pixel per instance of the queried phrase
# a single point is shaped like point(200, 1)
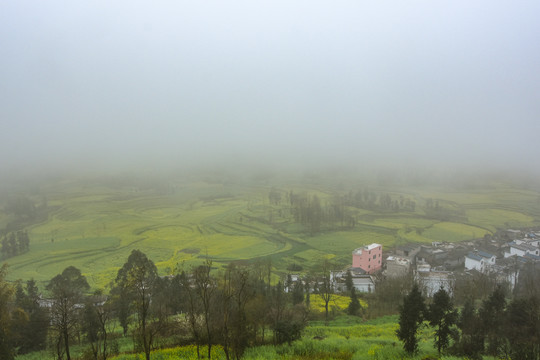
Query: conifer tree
point(411, 316)
point(492, 316)
point(522, 327)
point(354, 306)
point(349, 281)
point(442, 316)
point(471, 343)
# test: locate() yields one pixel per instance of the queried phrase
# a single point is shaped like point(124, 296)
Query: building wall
point(397, 267)
point(368, 258)
point(433, 281)
point(472, 264)
point(518, 252)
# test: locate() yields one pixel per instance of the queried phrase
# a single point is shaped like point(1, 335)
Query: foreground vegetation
point(207, 237)
point(237, 313)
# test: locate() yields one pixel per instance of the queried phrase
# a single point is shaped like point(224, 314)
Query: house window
point(374, 256)
point(368, 266)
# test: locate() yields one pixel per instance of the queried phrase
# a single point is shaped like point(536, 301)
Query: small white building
point(521, 248)
point(432, 281)
point(479, 260)
point(361, 282)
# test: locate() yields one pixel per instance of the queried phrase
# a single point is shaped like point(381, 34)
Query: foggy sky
point(114, 83)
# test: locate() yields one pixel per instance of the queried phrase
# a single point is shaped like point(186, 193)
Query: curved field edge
point(95, 228)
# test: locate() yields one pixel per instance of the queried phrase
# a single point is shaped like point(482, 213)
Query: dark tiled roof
point(474, 256)
point(484, 254)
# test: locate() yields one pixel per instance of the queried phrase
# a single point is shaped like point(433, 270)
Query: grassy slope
point(95, 228)
point(343, 338)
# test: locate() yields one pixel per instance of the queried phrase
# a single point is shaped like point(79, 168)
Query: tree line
point(337, 211)
point(497, 327)
point(235, 307)
point(23, 212)
point(15, 243)
point(238, 306)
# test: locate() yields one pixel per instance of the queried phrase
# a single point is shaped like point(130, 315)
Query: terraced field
point(96, 227)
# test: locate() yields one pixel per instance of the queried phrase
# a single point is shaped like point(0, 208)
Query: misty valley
point(250, 180)
point(242, 245)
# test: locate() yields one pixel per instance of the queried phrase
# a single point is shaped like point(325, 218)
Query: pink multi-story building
point(368, 258)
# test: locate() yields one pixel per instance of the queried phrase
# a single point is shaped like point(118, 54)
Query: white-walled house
point(432, 281)
point(361, 282)
point(479, 260)
point(520, 248)
point(529, 241)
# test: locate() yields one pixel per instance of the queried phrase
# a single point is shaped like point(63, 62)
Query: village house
point(479, 260)
point(531, 257)
point(397, 266)
point(455, 259)
point(361, 282)
point(530, 239)
point(433, 256)
point(408, 251)
point(521, 248)
point(507, 269)
point(432, 280)
point(368, 258)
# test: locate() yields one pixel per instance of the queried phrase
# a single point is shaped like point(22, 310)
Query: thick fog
point(113, 84)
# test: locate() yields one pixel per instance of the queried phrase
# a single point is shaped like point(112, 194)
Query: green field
point(94, 227)
point(343, 338)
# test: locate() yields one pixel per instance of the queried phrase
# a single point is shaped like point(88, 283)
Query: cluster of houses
point(436, 265)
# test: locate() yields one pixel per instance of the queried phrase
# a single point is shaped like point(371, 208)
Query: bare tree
point(205, 288)
point(66, 291)
point(136, 279)
point(325, 288)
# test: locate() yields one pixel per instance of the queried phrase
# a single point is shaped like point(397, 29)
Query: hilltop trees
point(67, 290)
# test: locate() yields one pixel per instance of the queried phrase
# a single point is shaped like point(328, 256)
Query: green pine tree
point(442, 316)
point(411, 316)
point(354, 306)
